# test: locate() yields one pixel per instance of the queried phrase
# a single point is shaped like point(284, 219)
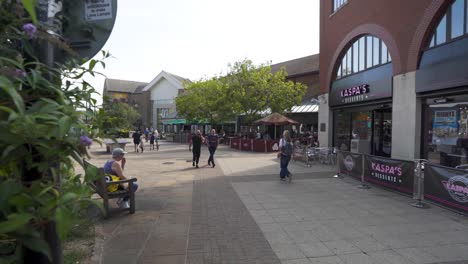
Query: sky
point(198, 39)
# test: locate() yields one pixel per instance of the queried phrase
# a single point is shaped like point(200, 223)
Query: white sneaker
point(125, 205)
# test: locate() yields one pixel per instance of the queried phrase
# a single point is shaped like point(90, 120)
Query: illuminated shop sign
point(355, 94)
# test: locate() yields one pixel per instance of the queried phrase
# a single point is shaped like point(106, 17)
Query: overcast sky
point(199, 38)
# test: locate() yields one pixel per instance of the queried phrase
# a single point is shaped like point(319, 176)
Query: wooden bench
point(100, 187)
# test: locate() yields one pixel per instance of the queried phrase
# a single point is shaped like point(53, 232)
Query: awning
point(305, 108)
point(174, 122)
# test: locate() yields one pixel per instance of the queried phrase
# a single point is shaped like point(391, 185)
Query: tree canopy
point(246, 89)
point(115, 117)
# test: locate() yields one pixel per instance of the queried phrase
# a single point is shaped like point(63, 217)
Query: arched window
point(367, 52)
point(453, 25)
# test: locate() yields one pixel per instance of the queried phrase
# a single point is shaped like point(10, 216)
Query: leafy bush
point(38, 136)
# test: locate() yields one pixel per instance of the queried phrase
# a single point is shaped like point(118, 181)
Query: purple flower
point(20, 73)
point(30, 30)
point(85, 140)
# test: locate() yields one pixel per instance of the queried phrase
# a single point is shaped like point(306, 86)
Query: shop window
point(446, 134)
point(337, 4)
point(356, 57)
point(362, 54)
point(441, 32)
point(453, 25)
point(366, 52)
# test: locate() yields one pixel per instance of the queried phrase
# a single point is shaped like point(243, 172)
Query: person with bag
point(286, 151)
point(113, 170)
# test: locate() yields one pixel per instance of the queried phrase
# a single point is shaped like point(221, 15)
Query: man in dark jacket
point(136, 139)
point(197, 141)
point(213, 141)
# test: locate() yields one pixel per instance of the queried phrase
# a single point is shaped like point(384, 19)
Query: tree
point(115, 117)
point(206, 100)
point(246, 90)
point(255, 89)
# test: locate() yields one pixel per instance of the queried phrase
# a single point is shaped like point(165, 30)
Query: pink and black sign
point(350, 164)
point(391, 173)
point(447, 186)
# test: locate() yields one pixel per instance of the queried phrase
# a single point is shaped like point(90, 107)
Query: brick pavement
point(222, 230)
point(239, 212)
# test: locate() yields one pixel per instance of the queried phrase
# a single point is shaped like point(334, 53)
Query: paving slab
point(239, 212)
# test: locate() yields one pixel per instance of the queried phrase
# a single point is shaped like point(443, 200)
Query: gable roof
point(175, 80)
point(299, 66)
point(116, 85)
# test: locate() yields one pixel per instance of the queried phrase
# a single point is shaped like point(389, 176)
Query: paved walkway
point(239, 212)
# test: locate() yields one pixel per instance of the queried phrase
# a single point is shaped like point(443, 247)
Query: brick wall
point(404, 25)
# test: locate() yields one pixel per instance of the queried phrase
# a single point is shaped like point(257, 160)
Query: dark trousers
point(196, 156)
point(212, 151)
point(284, 162)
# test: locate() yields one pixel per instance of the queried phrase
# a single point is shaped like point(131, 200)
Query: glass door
point(382, 133)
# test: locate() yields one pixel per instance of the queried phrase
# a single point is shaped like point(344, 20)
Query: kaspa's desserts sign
point(457, 187)
point(446, 185)
point(396, 174)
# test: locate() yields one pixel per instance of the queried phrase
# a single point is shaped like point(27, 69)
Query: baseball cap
point(118, 152)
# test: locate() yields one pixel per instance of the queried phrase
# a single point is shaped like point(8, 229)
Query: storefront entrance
point(367, 131)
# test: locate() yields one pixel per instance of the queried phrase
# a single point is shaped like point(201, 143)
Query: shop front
point(442, 85)
point(362, 112)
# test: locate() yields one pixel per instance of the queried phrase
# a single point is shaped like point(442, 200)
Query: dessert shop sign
point(354, 94)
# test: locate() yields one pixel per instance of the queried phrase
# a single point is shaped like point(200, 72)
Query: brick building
point(393, 78)
point(304, 70)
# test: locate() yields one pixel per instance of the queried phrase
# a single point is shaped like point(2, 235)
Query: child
point(152, 141)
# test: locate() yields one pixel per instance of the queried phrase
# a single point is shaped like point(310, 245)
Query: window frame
point(348, 56)
point(337, 5)
point(448, 28)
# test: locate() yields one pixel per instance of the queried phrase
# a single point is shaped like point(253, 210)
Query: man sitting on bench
point(114, 172)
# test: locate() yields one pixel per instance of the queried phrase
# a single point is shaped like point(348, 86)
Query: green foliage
point(247, 90)
point(39, 138)
point(114, 118)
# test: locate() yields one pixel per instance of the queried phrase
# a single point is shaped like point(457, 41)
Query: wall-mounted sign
point(357, 90)
point(373, 84)
point(98, 10)
point(355, 94)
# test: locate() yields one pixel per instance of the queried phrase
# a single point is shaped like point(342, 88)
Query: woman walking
point(197, 141)
point(285, 156)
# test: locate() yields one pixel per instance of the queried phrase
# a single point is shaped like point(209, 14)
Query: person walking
point(285, 156)
point(136, 139)
point(197, 140)
point(213, 141)
point(156, 138)
point(152, 141)
point(146, 132)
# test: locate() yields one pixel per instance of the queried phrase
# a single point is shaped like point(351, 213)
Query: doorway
point(382, 132)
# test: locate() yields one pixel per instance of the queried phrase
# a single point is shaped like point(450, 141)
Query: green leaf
point(14, 222)
point(64, 125)
point(68, 197)
point(29, 6)
point(92, 63)
point(64, 221)
point(10, 89)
